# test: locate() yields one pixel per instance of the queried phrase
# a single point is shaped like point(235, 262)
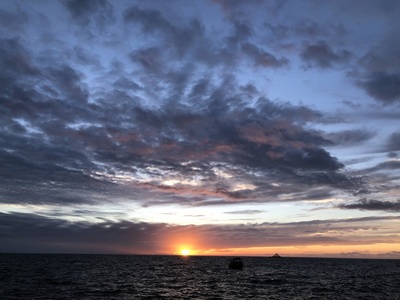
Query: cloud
point(387, 165)
point(349, 137)
point(84, 57)
point(311, 29)
point(262, 58)
point(393, 143)
point(234, 8)
point(322, 56)
point(41, 234)
point(63, 130)
point(351, 104)
point(13, 22)
point(365, 204)
point(192, 40)
point(380, 73)
point(34, 233)
point(152, 22)
point(150, 59)
point(15, 59)
point(85, 12)
point(69, 133)
point(242, 33)
point(383, 86)
point(245, 212)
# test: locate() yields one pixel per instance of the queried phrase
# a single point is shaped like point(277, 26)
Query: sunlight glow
point(378, 250)
point(185, 252)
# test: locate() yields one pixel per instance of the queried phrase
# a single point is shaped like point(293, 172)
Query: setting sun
point(185, 252)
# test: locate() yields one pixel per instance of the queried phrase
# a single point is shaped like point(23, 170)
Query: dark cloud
point(387, 165)
point(85, 12)
point(38, 93)
point(393, 143)
point(69, 84)
point(47, 175)
point(189, 39)
point(42, 234)
point(71, 135)
point(15, 59)
point(67, 135)
point(365, 204)
point(262, 58)
point(312, 29)
point(150, 59)
point(33, 233)
point(234, 8)
point(383, 86)
point(152, 22)
point(277, 32)
point(58, 131)
point(322, 56)
point(351, 104)
point(379, 75)
point(13, 22)
point(242, 32)
point(86, 58)
point(349, 137)
point(245, 212)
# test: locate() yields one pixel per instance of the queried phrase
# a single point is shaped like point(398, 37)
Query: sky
point(223, 127)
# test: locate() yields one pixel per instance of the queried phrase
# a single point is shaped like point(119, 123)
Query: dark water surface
point(44, 276)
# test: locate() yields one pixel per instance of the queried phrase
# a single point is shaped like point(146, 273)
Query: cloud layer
point(44, 234)
point(248, 105)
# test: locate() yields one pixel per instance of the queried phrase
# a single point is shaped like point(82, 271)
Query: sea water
point(56, 276)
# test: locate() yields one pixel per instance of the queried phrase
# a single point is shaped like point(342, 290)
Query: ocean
point(72, 276)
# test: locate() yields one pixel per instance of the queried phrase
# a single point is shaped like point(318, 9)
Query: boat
point(236, 263)
point(276, 255)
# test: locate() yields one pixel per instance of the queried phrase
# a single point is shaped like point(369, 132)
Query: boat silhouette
point(236, 263)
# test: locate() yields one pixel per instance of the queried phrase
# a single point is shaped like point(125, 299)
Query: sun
point(185, 252)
